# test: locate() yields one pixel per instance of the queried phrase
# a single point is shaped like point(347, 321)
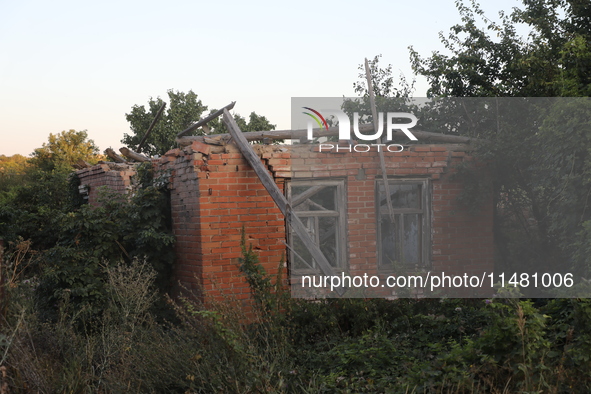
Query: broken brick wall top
point(112, 176)
point(215, 194)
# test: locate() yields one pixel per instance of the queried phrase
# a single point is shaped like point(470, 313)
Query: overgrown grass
point(291, 346)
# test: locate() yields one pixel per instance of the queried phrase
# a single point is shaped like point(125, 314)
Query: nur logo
point(345, 124)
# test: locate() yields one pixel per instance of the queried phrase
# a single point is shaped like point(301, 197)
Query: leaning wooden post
point(292, 220)
point(374, 114)
point(204, 121)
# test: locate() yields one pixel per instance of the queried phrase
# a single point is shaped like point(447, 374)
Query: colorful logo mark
point(320, 124)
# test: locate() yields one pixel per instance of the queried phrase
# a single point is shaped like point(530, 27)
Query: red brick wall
point(462, 242)
point(215, 193)
point(111, 176)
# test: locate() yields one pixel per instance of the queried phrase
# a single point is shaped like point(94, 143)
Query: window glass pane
point(314, 198)
point(302, 252)
point(402, 196)
point(412, 238)
point(325, 198)
point(327, 235)
point(388, 242)
point(301, 249)
point(297, 190)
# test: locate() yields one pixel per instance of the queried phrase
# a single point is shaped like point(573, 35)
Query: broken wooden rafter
point(80, 164)
point(205, 120)
point(134, 155)
point(332, 131)
point(116, 158)
point(292, 219)
point(158, 114)
point(213, 141)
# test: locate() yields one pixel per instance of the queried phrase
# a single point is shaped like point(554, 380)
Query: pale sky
point(83, 65)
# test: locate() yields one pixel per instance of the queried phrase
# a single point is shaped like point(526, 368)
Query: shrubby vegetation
point(84, 305)
point(288, 345)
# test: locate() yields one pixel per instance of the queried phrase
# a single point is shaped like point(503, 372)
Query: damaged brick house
point(340, 199)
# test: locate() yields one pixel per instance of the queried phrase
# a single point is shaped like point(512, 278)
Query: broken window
point(320, 205)
point(404, 241)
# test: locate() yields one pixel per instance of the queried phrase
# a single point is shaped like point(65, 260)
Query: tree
point(12, 174)
point(255, 123)
point(183, 110)
point(12, 165)
point(63, 150)
point(382, 81)
point(389, 96)
point(32, 206)
point(540, 168)
point(494, 60)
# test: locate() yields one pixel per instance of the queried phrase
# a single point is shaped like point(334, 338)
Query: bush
point(286, 345)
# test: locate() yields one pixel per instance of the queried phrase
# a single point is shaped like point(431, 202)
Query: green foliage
point(562, 176)
point(63, 150)
point(333, 345)
point(255, 123)
point(77, 241)
point(33, 208)
point(266, 295)
point(15, 164)
point(388, 97)
point(536, 149)
point(42, 190)
point(493, 60)
point(476, 192)
point(183, 110)
point(12, 170)
point(382, 81)
point(120, 228)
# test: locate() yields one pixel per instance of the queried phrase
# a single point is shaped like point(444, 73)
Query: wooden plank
point(324, 213)
point(213, 141)
point(311, 203)
point(205, 120)
point(80, 164)
point(255, 162)
point(296, 254)
point(342, 208)
point(297, 200)
point(374, 113)
point(133, 155)
point(158, 114)
point(423, 136)
point(116, 158)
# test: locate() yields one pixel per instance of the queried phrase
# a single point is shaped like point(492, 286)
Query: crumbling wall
point(111, 176)
point(215, 194)
point(461, 237)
